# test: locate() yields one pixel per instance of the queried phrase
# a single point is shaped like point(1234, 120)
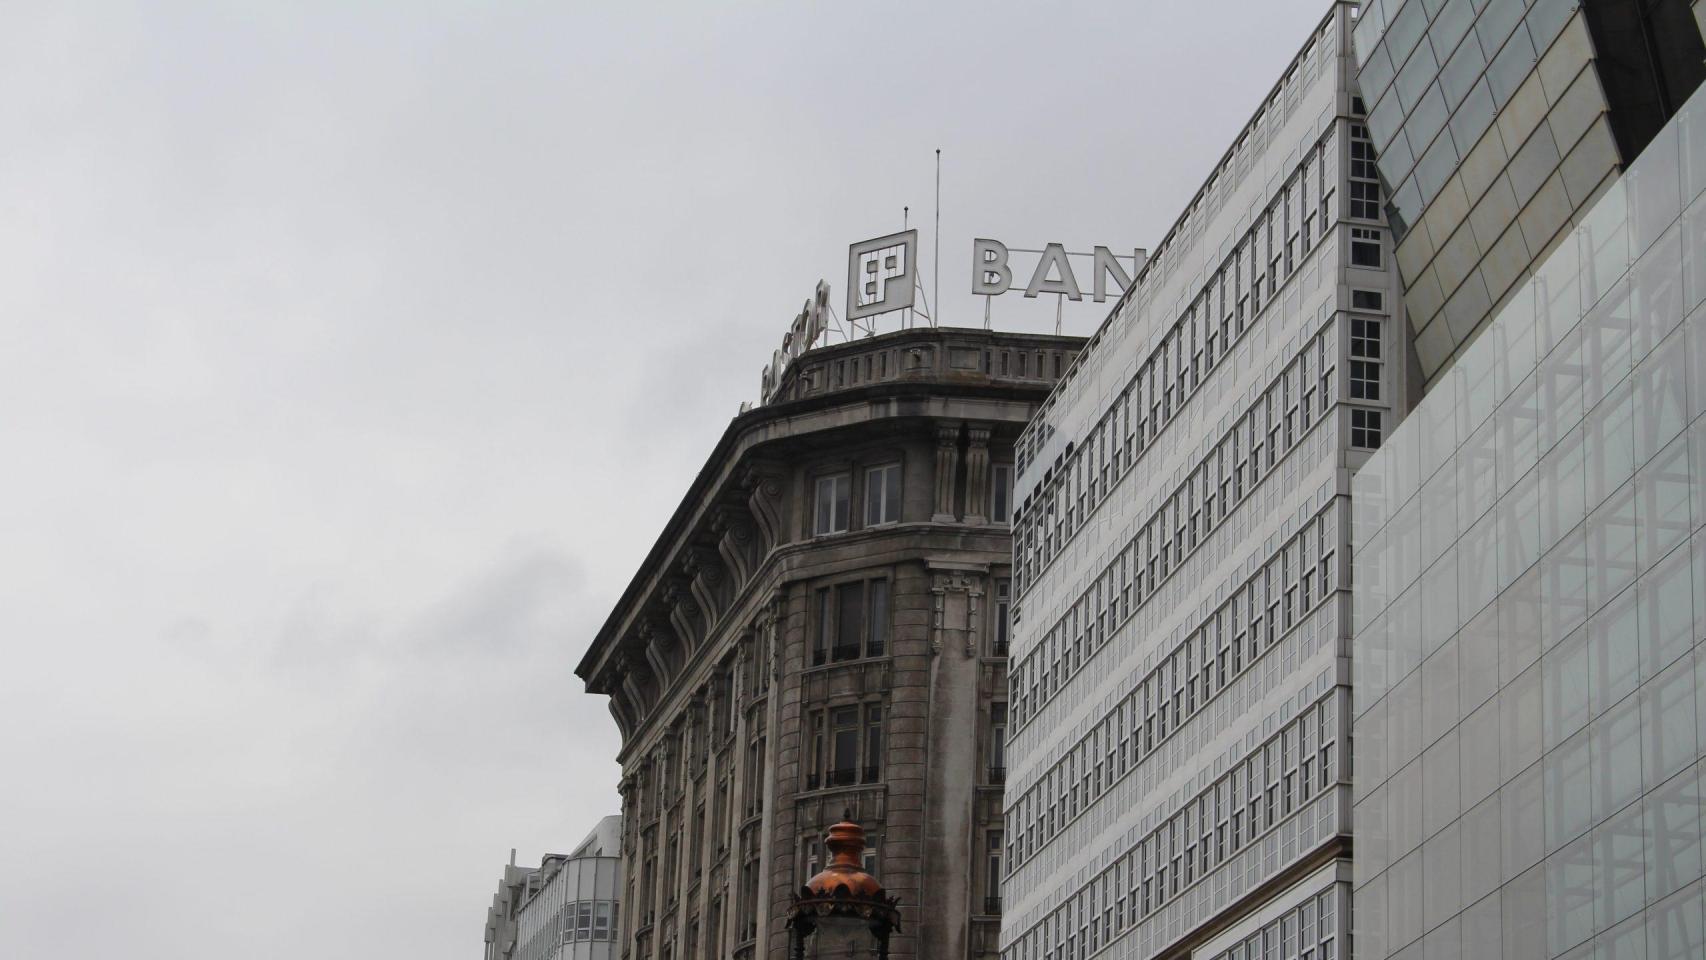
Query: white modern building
point(1179, 700)
point(568, 909)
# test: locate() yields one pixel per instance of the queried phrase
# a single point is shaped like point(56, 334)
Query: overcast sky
point(353, 354)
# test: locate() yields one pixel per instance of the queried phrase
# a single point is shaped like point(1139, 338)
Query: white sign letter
point(1109, 265)
point(1054, 254)
point(990, 274)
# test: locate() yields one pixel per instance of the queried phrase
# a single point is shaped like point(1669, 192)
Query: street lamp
point(843, 911)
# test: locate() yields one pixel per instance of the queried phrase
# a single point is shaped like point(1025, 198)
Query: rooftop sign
point(808, 325)
point(992, 275)
point(881, 274)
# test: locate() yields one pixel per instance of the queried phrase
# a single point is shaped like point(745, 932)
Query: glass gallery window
point(851, 621)
point(847, 744)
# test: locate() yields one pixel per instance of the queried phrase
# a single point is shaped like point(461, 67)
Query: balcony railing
point(997, 774)
point(1000, 648)
point(844, 778)
point(811, 781)
point(991, 904)
point(872, 774)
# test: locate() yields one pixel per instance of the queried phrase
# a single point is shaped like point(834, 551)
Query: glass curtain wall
point(1530, 569)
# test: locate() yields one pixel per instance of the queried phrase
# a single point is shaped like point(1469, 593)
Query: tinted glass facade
point(1488, 117)
point(1530, 580)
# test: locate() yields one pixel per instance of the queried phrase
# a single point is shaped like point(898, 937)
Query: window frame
point(876, 483)
point(843, 478)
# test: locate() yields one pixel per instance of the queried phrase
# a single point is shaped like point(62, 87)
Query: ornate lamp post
point(843, 910)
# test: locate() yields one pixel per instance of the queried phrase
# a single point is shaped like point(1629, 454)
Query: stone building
point(820, 629)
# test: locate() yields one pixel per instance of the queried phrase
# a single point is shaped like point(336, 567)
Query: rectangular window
point(882, 494)
point(992, 873)
point(1364, 180)
point(1001, 493)
point(1365, 359)
point(997, 742)
point(833, 504)
point(1365, 429)
point(844, 745)
point(825, 626)
point(850, 620)
point(1003, 616)
point(877, 619)
point(1365, 247)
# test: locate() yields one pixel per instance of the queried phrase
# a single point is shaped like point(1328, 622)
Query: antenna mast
point(936, 282)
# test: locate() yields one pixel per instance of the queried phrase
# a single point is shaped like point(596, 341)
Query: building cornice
point(939, 391)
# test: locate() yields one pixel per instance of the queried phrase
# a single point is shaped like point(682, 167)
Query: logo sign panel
point(882, 274)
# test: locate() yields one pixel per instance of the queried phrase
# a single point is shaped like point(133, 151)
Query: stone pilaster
point(947, 464)
point(977, 474)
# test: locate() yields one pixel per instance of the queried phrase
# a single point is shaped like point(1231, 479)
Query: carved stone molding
point(974, 620)
point(956, 605)
point(769, 627)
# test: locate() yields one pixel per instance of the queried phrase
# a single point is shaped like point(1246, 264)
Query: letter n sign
point(881, 274)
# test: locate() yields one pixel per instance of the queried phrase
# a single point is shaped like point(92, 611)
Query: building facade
point(514, 887)
point(1530, 600)
point(1180, 677)
point(820, 631)
point(1496, 122)
point(576, 910)
point(567, 908)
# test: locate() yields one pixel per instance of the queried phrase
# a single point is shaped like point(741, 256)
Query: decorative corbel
point(763, 487)
point(735, 537)
point(684, 614)
point(705, 580)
